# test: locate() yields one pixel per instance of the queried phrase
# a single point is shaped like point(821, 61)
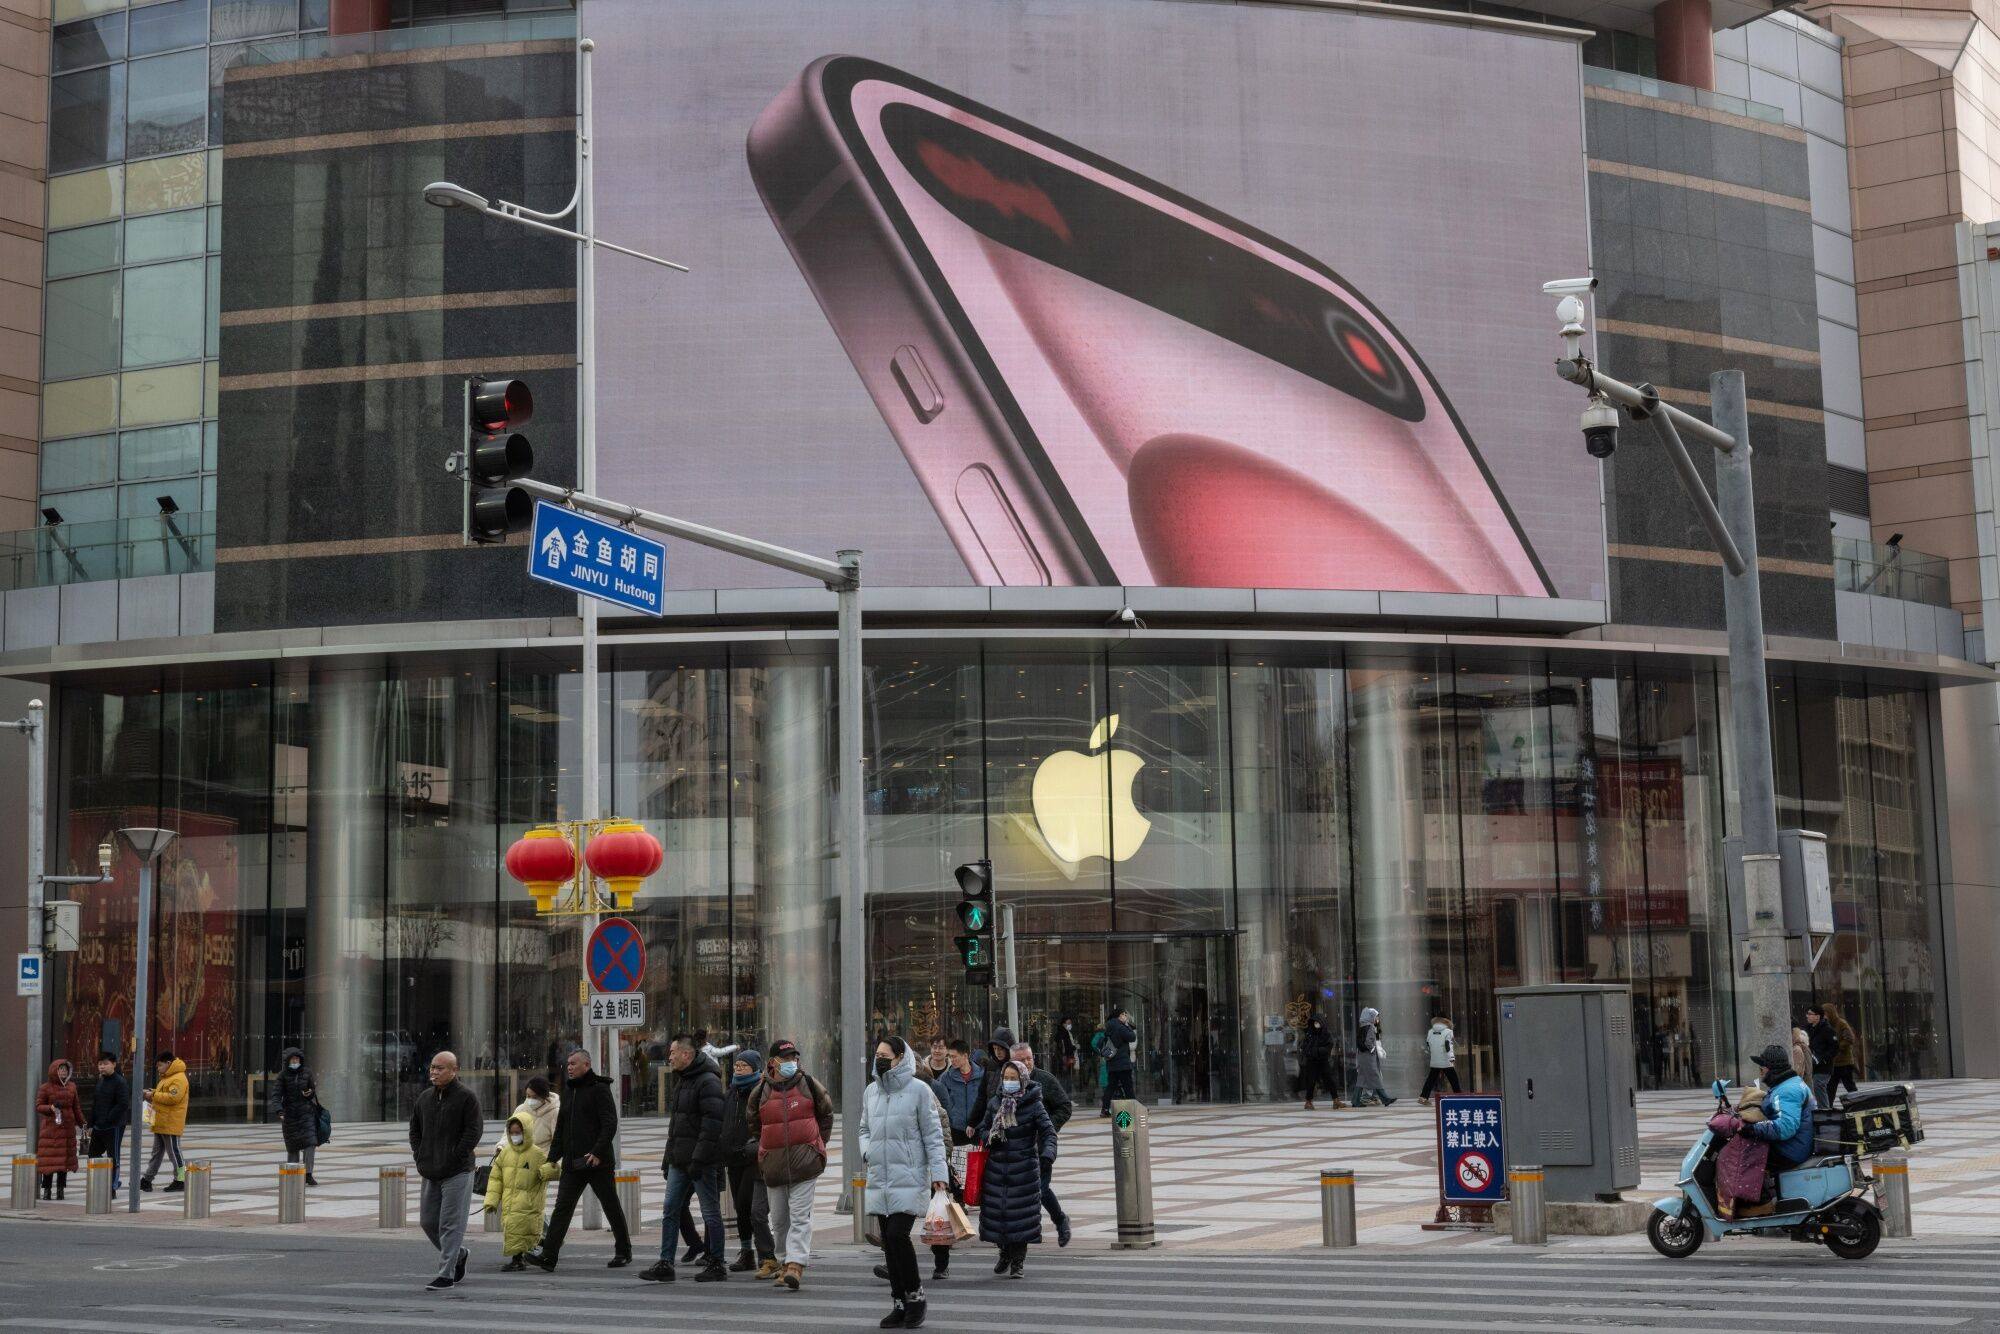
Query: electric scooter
point(1823, 1200)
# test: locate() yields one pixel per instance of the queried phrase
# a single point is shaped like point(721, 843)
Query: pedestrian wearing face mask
point(542, 1106)
point(61, 1112)
point(519, 1188)
point(1018, 1135)
point(739, 1159)
point(794, 1119)
point(902, 1144)
point(295, 1102)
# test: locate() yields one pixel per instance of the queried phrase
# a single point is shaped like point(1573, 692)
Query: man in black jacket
point(110, 1113)
point(444, 1130)
point(693, 1161)
point(582, 1143)
point(1057, 1100)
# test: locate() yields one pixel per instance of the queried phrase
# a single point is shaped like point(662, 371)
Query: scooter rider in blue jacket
point(1788, 1109)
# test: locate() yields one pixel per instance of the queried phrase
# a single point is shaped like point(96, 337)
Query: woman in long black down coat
point(295, 1102)
point(1017, 1134)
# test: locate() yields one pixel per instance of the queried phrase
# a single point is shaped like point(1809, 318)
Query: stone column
point(1684, 33)
point(345, 894)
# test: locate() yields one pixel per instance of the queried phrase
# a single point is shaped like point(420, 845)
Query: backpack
point(1100, 1043)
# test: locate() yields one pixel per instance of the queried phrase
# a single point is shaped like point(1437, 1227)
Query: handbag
point(322, 1124)
point(975, 1173)
point(481, 1179)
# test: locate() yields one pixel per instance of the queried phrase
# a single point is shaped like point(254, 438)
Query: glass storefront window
point(88, 42)
point(86, 118)
point(85, 197)
point(167, 394)
point(165, 183)
point(82, 333)
point(165, 309)
point(236, 19)
point(166, 236)
point(1379, 839)
point(169, 26)
point(168, 104)
point(89, 461)
point(79, 407)
point(83, 250)
point(162, 452)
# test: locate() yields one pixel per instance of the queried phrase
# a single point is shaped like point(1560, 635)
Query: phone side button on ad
point(918, 385)
point(999, 532)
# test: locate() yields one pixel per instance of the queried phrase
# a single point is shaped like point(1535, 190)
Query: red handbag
point(975, 1174)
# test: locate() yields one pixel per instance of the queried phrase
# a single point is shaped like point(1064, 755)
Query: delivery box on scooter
point(1879, 1120)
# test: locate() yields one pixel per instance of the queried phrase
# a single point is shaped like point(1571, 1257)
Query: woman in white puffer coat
point(903, 1146)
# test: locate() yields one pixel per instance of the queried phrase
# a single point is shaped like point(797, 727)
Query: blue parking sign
point(597, 559)
point(1471, 1166)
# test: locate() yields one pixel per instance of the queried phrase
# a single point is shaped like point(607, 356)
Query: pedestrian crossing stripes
point(1909, 1285)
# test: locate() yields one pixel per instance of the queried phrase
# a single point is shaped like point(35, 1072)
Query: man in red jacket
point(794, 1118)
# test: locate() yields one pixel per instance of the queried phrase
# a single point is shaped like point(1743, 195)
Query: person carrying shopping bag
point(902, 1144)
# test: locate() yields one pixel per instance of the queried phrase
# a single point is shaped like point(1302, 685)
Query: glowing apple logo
point(1072, 791)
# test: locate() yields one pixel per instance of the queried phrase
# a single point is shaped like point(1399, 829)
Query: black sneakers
point(459, 1275)
point(712, 1272)
point(543, 1261)
point(663, 1272)
point(618, 1262)
point(439, 1284)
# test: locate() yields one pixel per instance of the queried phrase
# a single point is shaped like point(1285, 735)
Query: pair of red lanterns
point(619, 852)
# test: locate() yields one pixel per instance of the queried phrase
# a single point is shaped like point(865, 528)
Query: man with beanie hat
point(1788, 1107)
point(739, 1160)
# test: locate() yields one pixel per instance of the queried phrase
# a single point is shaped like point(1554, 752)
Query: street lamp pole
point(147, 845)
point(444, 194)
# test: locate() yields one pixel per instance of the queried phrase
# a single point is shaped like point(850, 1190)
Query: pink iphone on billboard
point(1098, 380)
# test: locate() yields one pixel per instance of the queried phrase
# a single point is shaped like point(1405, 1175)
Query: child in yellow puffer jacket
point(518, 1188)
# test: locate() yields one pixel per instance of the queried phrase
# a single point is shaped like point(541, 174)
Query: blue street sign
point(1471, 1166)
point(597, 559)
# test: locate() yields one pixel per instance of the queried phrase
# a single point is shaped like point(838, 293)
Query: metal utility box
point(1803, 877)
point(1570, 1088)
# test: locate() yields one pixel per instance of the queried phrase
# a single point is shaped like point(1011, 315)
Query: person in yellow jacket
point(169, 1103)
point(518, 1188)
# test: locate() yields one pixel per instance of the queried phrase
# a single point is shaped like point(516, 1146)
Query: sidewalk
point(1224, 1178)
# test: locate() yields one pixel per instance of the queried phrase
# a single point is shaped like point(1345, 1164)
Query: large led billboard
point(1082, 292)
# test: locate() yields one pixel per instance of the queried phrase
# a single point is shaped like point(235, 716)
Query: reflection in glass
point(82, 333)
point(164, 312)
point(169, 104)
point(86, 119)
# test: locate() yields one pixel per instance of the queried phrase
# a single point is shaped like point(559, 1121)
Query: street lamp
point(147, 845)
point(449, 195)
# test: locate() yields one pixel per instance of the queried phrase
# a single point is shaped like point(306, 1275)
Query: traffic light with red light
point(975, 916)
point(496, 454)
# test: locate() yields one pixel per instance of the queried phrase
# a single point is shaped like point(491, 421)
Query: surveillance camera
point(1125, 616)
point(1600, 428)
point(1568, 286)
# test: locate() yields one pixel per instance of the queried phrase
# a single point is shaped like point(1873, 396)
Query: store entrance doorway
point(1180, 989)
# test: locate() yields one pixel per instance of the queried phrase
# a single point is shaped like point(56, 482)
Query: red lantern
point(544, 861)
point(622, 855)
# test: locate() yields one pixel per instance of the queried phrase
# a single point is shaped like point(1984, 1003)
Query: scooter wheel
point(1675, 1236)
point(1855, 1235)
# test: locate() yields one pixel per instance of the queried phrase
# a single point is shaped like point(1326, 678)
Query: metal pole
point(391, 1191)
point(854, 858)
point(1766, 961)
point(97, 1185)
point(35, 725)
point(140, 994)
point(1336, 1206)
point(1013, 984)
point(1892, 1189)
point(1711, 518)
point(291, 1192)
point(1527, 1206)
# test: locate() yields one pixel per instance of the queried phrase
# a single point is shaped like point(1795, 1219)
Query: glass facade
point(133, 265)
point(1222, 837)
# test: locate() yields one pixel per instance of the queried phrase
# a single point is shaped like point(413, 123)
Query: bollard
point(291, 1193)
point(24, 1182)
point(859, 1186)
point(392, 1195)
point(1336, 1206)
point(1526, 1206)
point(1132, 1174)
point(627, 1181)
point(593, 1213)
point(97, 1186)
point(194, 1204)
point(1892, 1194)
